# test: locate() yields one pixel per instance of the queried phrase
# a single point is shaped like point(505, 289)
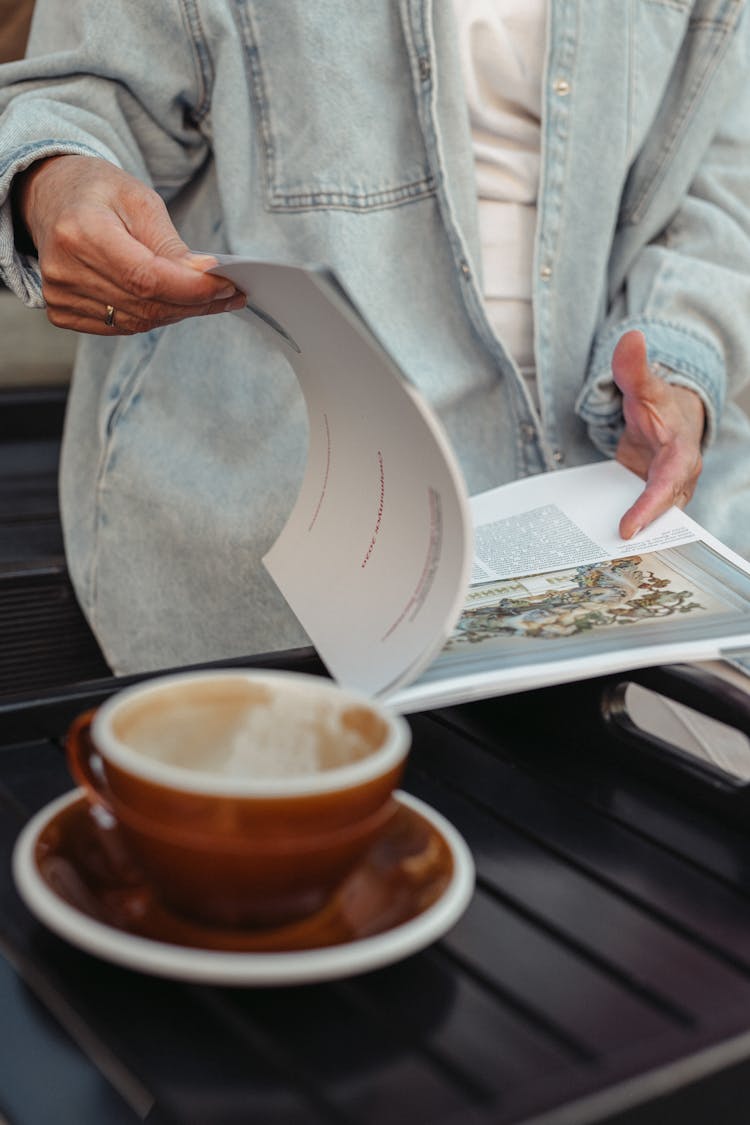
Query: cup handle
point(85, 761)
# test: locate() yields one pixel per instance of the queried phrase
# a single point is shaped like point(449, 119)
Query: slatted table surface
point(600, 974)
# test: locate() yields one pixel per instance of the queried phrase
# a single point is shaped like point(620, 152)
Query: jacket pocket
point(333, 91)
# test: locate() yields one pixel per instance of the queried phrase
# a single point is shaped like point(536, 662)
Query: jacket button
point(425, 69)
point(558, 456)
point(527, 431)
point(465, 270)
point(545, 273)
point(561, 86)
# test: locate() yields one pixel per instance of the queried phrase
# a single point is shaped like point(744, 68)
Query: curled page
point(376, 554)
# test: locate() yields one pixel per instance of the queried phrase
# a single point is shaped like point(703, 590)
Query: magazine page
point(673, 593)
point(375, 556)
point(565, 518)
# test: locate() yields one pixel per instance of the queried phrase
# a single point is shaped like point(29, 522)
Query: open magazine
point(413, 592)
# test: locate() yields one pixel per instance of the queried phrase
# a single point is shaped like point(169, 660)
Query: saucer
point(73, 873)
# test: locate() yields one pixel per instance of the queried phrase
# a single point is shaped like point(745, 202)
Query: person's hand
point(111, 260)
point(662, 437)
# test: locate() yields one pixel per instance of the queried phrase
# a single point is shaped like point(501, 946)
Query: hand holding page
point(564, 519)
point(376, 556)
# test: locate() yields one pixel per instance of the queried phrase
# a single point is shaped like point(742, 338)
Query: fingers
point(70, 305)
point(106, 253)
point(672, 478)
point(105, 239)
point(151, 293)
point(662, 435)
point(644, 394)
point(84, 315)
point(630, 364)
point(667, 487)
point(653, 502)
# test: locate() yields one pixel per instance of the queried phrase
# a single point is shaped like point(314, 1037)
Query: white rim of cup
point(380, 761)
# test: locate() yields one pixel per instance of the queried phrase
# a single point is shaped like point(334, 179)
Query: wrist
point(24, 201)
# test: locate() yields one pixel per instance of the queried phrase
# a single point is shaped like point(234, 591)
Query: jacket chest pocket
point(333, 93)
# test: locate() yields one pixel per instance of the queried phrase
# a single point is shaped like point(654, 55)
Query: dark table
point(600, 974)
point(44, 639)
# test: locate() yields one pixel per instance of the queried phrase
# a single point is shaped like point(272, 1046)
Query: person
point(609, 141)
point(15, 20)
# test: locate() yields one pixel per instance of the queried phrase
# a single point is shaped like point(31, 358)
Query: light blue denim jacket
point(336, 132)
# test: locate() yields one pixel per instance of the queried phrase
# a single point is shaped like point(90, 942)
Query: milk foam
point(269, 737)
point(272, 741)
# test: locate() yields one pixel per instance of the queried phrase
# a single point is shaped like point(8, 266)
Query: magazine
point(413, 591)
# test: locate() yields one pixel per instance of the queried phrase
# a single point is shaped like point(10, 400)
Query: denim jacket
point(337, 132)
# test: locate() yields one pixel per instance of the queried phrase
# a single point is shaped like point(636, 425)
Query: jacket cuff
point(692, 360)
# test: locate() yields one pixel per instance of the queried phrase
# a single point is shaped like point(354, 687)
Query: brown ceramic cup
point(245, 796)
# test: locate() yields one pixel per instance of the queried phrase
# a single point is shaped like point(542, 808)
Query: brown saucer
point(85, 864)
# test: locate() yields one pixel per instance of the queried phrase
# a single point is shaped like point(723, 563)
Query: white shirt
point(502, 45)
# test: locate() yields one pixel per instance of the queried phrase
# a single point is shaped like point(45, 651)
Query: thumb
point(200, 262)
point(630, 367)
point(161, 237)
point(152, 228)
point(149, 223)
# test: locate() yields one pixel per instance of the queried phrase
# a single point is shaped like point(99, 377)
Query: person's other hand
point(662, 437)
point(106, 239)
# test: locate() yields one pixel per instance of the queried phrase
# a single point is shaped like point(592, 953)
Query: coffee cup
point(246, 797)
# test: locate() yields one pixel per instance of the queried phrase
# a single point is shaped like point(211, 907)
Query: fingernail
point(227, 291)
point(637, 531)
point(239, 302)
point(204, 261)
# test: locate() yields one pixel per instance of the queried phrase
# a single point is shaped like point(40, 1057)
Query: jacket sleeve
point(126, 82)
point(688, 287)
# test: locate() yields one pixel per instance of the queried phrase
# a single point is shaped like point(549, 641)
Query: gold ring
point(109, 318)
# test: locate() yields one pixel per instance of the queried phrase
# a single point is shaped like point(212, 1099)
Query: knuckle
point(224, 304)
point(138, 280)
point(57, 317)
point(54, 273)
point(151, 313)
point(55, 296)
point(68, 231)
point(123, 326)
point(168, 244)
point(137, 194)
point(212, 307)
